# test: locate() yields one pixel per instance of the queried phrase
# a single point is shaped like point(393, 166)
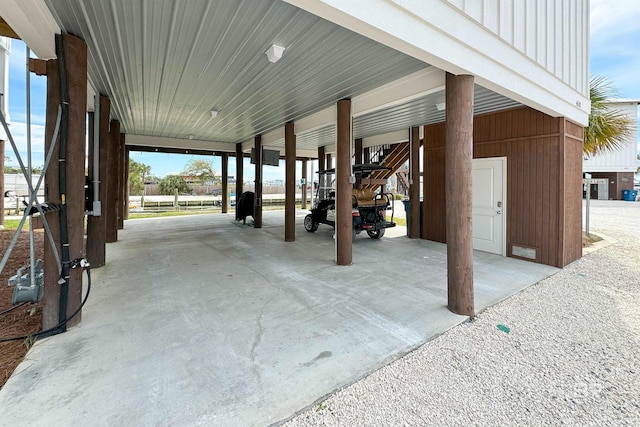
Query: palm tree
point(608, 129)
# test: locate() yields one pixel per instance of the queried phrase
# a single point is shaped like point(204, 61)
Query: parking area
point(200, 320)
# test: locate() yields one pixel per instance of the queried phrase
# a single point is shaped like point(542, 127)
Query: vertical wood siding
point(543, 180)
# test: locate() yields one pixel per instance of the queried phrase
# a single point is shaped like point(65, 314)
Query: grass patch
point(398, 221)
point(232, 209)
point(12, 224)
point(589, 239)
point(139, 215)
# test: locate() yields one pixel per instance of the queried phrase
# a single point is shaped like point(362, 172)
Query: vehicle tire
point(309, 225)
point(376, 234)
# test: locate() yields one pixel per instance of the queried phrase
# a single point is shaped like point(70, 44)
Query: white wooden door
point(489, 193)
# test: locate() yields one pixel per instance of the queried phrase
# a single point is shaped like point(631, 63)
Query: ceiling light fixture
point(214, 114)
point(190, 136)
point(274, 53)
point(440, 106)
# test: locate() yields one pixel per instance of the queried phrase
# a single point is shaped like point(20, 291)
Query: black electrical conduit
point(67, 265)
point(62, 178)
point(10, 309)
point(58, 328)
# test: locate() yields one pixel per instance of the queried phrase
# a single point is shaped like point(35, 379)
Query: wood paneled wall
point(544, 175)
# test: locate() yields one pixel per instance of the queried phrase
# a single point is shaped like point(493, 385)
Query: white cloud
point(19, 133)
point(611, 17)
point(21, 116)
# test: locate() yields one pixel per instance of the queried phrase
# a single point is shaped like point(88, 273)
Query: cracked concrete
point(196, 321)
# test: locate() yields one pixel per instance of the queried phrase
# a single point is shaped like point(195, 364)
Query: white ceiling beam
point(188, 144)
point(316, 121)
point(33, 22)
point(273, 137)
point(312, 154)
point(416, 85)
point(386, 138)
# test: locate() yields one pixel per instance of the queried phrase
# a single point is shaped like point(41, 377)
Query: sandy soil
point(24, 320)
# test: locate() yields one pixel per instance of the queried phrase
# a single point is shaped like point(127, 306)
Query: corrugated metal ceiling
point(423, 111)
point(165, 64)
point(417, 112)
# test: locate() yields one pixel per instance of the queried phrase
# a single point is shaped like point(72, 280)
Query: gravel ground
point(571, 355)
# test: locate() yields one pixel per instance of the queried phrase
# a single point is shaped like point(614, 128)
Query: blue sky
point(614, 52)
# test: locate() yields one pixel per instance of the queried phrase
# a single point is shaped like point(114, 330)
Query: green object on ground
point(504, 328)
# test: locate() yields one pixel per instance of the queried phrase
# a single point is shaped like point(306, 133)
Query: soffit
point(165, 64)
point(417, 112)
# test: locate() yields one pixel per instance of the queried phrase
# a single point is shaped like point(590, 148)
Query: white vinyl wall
point(623, 160)
point(549, 32)
point(535, 52)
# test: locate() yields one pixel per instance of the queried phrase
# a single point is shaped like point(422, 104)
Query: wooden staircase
point(403, 181)
point(392, 157)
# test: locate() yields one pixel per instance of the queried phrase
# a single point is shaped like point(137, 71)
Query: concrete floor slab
point(200, 320)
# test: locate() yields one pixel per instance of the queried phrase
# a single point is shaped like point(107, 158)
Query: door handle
point(499, 204)
point(499, 213)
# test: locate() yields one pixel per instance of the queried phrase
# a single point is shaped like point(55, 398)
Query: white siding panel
point(550, 50)
point(519, 26)
point(446, 35)
point(506, 21)
point(553, 33)
point(542, 34)
point(623, 160)
point(457, 3)
point(572, 41)
point(491, 15)
point(473, 8)
point(531, 23)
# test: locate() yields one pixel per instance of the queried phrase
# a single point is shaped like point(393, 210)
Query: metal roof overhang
point(165, 65)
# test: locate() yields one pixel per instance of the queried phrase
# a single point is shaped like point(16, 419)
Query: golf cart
point(368, 209)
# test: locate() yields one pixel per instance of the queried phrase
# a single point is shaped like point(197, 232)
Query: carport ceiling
point(165, 64)
point(419, 111)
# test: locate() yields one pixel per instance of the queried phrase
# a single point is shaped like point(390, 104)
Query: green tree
point(137, 174)
point(608, 129)
point(202, 169)
point(170, 183)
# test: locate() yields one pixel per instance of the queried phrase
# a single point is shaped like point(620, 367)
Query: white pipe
point(96, 208)
point(32, 261)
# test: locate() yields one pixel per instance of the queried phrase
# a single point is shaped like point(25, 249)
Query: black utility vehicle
point(369, 208)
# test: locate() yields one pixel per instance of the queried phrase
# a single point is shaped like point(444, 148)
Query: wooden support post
point(329, 161)
point(414, 183)
point(126, 182)
point(358, 160)
point(366, 154)
point(290, 183)
point(304, 184)
point(322, 160)
point(75, 58)
point(458, 162)
point(344, 219)
point(110, 207)
point(122, 182)
point(225, 182)
point(96, 225)
point(239, 170)
point(2, 184)
point(257, 207)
